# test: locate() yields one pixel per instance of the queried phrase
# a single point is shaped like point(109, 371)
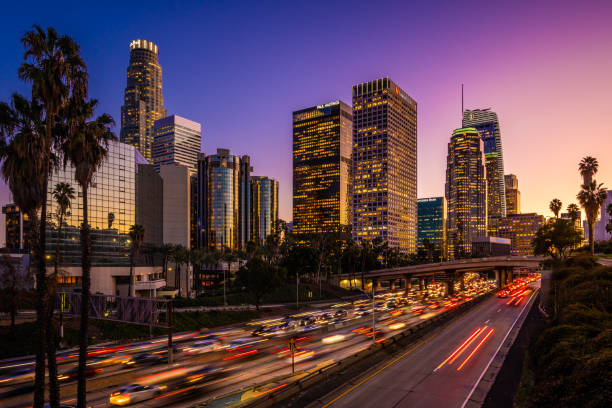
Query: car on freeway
point(502, 294)
point(203, 346)
point(144, 359)
point(19, 376)
point(340, 313)
point(135, 393)
point(73, 373)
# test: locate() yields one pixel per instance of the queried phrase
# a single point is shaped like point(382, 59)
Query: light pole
point(373, 310)
point(297, 291)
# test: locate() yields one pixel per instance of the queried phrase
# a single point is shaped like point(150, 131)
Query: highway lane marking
point(496, 351)
point(374, 374)
point(487, 322)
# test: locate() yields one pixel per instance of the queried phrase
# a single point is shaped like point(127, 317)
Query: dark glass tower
point(432, 223)
point(465, 191)
point(385, 164)
point(322, 146)
point(224, 204)
point(264, 207)
point(143, 101)
point(487, 124)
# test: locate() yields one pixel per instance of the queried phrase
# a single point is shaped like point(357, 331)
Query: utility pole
point(292, 348)
point(170, 323)
point(373, 311)
point(297, 291)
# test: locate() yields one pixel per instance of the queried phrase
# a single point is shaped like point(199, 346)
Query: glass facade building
point(385, 164)
point(487, 124)
point(143, 101)
point(465, 191)
point(224, 200)
point(520, 229)
point(513, 195)
point(264, 207)
point(177, 141)
point(322, 148)
point(112, 210)
point(432, 223)
point(17, 229)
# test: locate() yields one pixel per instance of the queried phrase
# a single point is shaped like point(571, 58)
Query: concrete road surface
point(443, 369)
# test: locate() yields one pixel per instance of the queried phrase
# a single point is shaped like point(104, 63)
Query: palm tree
point(137, 235)
point(54, 67)
point(85, 150)
point(591, 198)
point(588, 166)
point(22, 128)
point(178, 256)
point(555, 206)
point(229, 256)
point(63, 194)
point(574, 212)
point(166, 251)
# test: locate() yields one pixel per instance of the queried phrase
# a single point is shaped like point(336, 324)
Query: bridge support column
point(498, 278)
point(450, 282)
point(421, 284)
point(392, 284)
point(462, 280)
point(509, 275)
point(407, 284)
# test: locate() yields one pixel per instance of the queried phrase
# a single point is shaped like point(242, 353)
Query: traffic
point(210, 363)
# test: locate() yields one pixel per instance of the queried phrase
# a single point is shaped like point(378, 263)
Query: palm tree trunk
point(131, 286)
point(41, 299)
point(85, 266)
point(591, 240)
point(54, 397)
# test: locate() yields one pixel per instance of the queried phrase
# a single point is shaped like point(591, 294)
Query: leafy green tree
point(137, 236)
point(259, 277)
point(587, 167)
point(591, 198)
point(555, 206)
point(556, 238)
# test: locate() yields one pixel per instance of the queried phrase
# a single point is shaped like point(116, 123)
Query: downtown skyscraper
point(264, 207)
point(176, 140)
point(322, 182)
point(465, 191)
point(385, 164)
point(143, 101)
point(487, 124)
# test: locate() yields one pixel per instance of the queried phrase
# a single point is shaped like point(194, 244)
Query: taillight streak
point(475, 333)
point(246, 353)
point(476, 348)
point(467, 345)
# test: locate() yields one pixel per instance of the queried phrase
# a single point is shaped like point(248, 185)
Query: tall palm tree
point(166, 251)
point(22, 128)
point(588, 166)
point(137, 235)
point(178, 255)
point(54, 67)
point(555, 206)
point(63, 194)
point(85, 150)
point(591, 198)
point(574, 212)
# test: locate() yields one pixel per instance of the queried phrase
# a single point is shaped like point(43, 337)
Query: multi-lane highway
point(443, 369)
point(233, 358)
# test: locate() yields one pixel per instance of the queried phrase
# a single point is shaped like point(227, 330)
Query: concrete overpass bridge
point(451, 271)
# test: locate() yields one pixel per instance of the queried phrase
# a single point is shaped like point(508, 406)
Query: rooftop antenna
point(461, 102)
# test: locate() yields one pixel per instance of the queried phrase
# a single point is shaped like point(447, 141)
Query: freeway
point(233, 358)
point(442, 370)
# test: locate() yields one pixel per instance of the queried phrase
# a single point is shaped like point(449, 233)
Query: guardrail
point(272, 392)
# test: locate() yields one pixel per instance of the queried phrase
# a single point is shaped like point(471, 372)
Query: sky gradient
point(240, 69)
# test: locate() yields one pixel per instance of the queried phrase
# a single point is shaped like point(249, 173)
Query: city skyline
point(525, 95)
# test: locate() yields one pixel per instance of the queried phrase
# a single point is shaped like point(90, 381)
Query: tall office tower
point(466, 191)
point(264, 207)
point(322, 148)
point(432, 223)
point(487, 124)
point(224, 208)
point(513, 195)
point(599, 229)
point(176, 140)
point(520, 229)
point(385, 164)
point(176, 204)
point(143, 102)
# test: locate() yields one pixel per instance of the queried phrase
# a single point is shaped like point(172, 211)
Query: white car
point(204, 346)
point(134, 393)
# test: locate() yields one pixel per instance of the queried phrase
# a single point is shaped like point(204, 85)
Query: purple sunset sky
point(241, 68)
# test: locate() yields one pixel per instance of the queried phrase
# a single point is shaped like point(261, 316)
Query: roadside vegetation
point(570, 363)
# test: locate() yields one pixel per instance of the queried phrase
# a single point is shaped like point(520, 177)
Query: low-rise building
point(483, 247)
point(520, 229)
